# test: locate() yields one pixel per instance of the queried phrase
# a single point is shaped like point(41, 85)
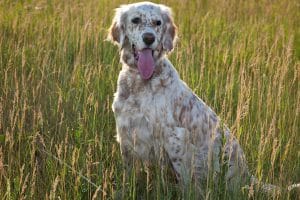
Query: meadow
point(58, 76)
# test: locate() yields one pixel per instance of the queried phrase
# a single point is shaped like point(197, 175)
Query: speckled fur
point(162, 112)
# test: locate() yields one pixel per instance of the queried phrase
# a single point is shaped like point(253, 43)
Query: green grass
point(58, 76)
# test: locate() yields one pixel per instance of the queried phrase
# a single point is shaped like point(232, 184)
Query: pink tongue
point(146, 63)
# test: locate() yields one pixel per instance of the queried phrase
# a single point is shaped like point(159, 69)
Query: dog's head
point(144, 32)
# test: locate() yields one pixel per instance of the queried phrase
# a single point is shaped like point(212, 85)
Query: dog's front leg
point(175, 145)
point(127, 155)
point(134, 135)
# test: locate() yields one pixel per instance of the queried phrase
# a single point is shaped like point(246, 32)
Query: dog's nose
point(148, 38)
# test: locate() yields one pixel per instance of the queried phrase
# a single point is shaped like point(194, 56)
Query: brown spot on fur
point(124, 89)
point(124, 129)
point(124, 94)
point(114, 32)
point(170, 74)
point(205, 119)
point(192, 102)
point(138, 86)
point(163, 83)
point(194, 126)
point(127, 54)
point(126, 57)
point(182, 115)
point(204, 129)
point(170, 32)
point(136, 103)
point(158, 70)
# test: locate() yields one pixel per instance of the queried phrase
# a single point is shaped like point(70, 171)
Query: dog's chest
point(155, 106)
point(152, 98)
point(140, 117)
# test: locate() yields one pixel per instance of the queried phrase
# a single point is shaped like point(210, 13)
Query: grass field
point(58, 76)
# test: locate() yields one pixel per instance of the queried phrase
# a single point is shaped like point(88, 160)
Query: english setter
point(156, 112)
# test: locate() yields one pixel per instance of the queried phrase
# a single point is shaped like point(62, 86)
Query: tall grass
point(58, 76)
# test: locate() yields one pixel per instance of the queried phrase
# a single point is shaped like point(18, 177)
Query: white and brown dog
point(155, 110)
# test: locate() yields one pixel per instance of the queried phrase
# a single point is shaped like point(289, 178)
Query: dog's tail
point(270, 188)
point(293, 186)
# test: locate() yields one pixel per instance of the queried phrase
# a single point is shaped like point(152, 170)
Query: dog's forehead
point(144, 10)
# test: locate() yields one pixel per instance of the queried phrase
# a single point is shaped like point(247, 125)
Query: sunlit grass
point(58, 76)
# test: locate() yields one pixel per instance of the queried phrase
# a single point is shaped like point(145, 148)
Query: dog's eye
point(158, 23)
point(136, 20)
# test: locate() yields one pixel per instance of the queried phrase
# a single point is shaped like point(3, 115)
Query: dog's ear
point(170, 29)
point(116, 31)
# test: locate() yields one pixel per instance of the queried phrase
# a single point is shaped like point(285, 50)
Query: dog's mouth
point(145, 61)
